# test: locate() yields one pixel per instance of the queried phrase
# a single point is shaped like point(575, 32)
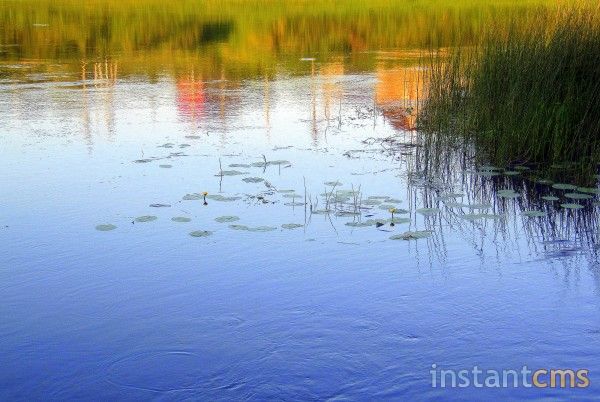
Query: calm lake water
point(113, 113)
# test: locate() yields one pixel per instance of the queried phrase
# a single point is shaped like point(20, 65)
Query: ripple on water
point(162, 371)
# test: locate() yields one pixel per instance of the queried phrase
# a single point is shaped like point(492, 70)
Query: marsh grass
point(530, 95)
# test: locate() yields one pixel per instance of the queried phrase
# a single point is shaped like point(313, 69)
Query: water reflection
point(109, 124)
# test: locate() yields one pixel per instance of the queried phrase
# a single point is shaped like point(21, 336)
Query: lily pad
point(372, 202)
point(253, 179)
point(321, 211)
point(419, 234)
point(333, 183)
point(181, 219)
point(106, 227)
point(230, 173)
point(589, 190)
point(428, 211)
point(165, 166)
point(571, 206)
point(563, 186)
point(160, 205)
point(386, 206)
point(578, 196)
point(511, 173)
point(227, 218)
point(292, 195)
point(239, 165)
point(488, 173)
point(544, 182)
point(550, 198)
point(192, 197)
point(201, 233)
point(393, 201)
point(146, 218)
point(251, 229)
point(219, 197)
point(347, 213)
point(294, 204)
point(262, 229)
point(362, 224)
point(292, 226)
point(286, 191)
point(508, 194)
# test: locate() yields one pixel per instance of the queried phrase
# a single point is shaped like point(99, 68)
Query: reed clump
point(528, 95)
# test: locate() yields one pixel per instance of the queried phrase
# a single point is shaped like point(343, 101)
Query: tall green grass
point(530, 95)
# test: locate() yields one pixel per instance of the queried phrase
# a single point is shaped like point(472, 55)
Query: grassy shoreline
point(528, 96)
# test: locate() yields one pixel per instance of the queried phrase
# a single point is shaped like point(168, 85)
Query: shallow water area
point(173, 234)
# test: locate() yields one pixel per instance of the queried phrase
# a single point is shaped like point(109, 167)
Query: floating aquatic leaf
point(562, 186)
point(372, 202)
point(378, 197)
point(522, 168)
point(420, 234)
point(239, 165)
point(181, 219)
point(278, 162)
point(253, 179)
point(239, 227)
point(589, 190)
point(106, 227)
point(472, 217)
point(347, 213)
point(193, 137)
point(292, 195)
point(534, 214)
point(294, 204)
point(488, 168)
point(508, 194)
point(549, 198)
point(160, 205)
point(275, 162)
point(227, 218)
point(251, 229)
point(143, 160)
point(544, 181)
point(333, 183)
point(396, 220)
point(428, 211)
point(386, 206)
point(167, 145)
point(201, 233)
point(292, 226)
point(184, 145)
point(230, 173)
point(262, 229)
point(578, 196)
point(369, 222)
point(219, 197)
point(146, 218)
point(286, 191)
point(511, 173)
point(192, 197)
point(321, 211)
point(479, 206)
point(393, 201)
point(165, 166)
point(488, 173)
point(571, 206)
